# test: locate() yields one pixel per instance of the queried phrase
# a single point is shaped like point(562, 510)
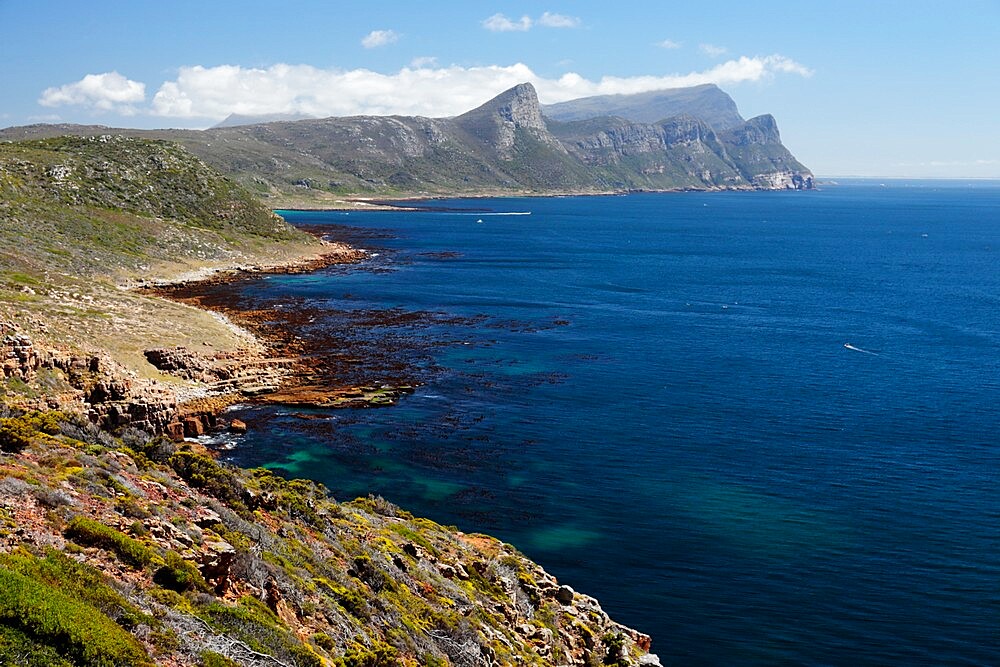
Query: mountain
point(706, 102)
point(505, 146)
point(235, 119)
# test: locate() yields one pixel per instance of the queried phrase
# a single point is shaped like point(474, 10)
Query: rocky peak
point(759, 130)
point(496, 123)
point(518, 105)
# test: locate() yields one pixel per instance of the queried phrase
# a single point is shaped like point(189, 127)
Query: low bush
point(179, 575)
point(77, 580)
point(204, 472)
point(16, 433)
point(379, 654)
point(213, 659)
point(73, 629)
point(88, 532)
point(17, 648)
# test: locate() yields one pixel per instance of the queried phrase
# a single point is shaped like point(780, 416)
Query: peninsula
point(682, 139)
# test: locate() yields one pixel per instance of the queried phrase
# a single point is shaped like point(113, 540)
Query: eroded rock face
point(498, 122)
point(784, 180)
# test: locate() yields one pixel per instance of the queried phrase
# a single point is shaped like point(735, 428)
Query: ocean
point(761, 427)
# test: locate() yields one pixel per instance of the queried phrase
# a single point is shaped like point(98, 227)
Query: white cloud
point(109, 91)
point(669, 44)
point(550, 20)
point(712, 50)
point(423, 61)
point(500, 23)
point(378, 38)
point(215, 92)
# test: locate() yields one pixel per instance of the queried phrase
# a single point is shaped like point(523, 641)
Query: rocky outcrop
point(113, 397)
point(94, 385)
point(498, 122)
point(784, 180)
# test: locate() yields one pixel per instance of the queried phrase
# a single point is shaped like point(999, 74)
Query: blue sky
point(877, 88)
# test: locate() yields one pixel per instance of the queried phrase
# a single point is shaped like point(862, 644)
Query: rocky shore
point(113, 396)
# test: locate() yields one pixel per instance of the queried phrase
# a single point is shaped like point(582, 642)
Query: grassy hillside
point(82, 216)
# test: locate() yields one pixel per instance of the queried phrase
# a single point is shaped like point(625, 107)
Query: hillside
point(120, 547)
point(134, 551)
point(506, 146)
point(85, 217)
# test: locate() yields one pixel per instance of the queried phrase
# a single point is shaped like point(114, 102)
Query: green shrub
point(349, 598)
point(72, 628)
point(253, 623)
point(614, 644)
point(179, 575)
point(379, 655)
point(16, 433)
point(89, 532)
point(204, 472)
point(17, 648)
point(324, 641)
point(213, 659)
point(77, 580)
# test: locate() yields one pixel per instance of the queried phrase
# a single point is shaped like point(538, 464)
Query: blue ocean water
point(761, 427)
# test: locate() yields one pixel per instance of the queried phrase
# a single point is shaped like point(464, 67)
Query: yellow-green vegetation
point(16, 432)
point(68, 626)
point(93, 533)
point(231, 566)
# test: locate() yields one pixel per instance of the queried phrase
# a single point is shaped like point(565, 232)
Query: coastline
point(401, 203)
point(292, 362)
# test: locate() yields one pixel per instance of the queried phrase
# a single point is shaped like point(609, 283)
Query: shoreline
point(287, 366)
point(382, 204)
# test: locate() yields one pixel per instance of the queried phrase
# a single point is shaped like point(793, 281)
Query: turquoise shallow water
point(761, 427)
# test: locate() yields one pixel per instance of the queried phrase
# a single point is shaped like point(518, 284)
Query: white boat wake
point(858, 349)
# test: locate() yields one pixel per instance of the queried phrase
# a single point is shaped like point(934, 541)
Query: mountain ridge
point(506, 146)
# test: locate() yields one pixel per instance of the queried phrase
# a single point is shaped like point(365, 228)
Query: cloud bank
point(426, 90)
point(109, 91)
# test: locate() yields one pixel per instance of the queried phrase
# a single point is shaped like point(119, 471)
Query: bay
point(761, 427)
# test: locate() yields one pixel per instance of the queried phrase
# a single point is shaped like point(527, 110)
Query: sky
point(878, 88)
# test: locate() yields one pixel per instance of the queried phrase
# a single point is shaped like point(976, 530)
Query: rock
point(238, 426)
point(174, 431)
point(215, 561)
point(193, 427)
point(205, 517)
point(565, 595)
